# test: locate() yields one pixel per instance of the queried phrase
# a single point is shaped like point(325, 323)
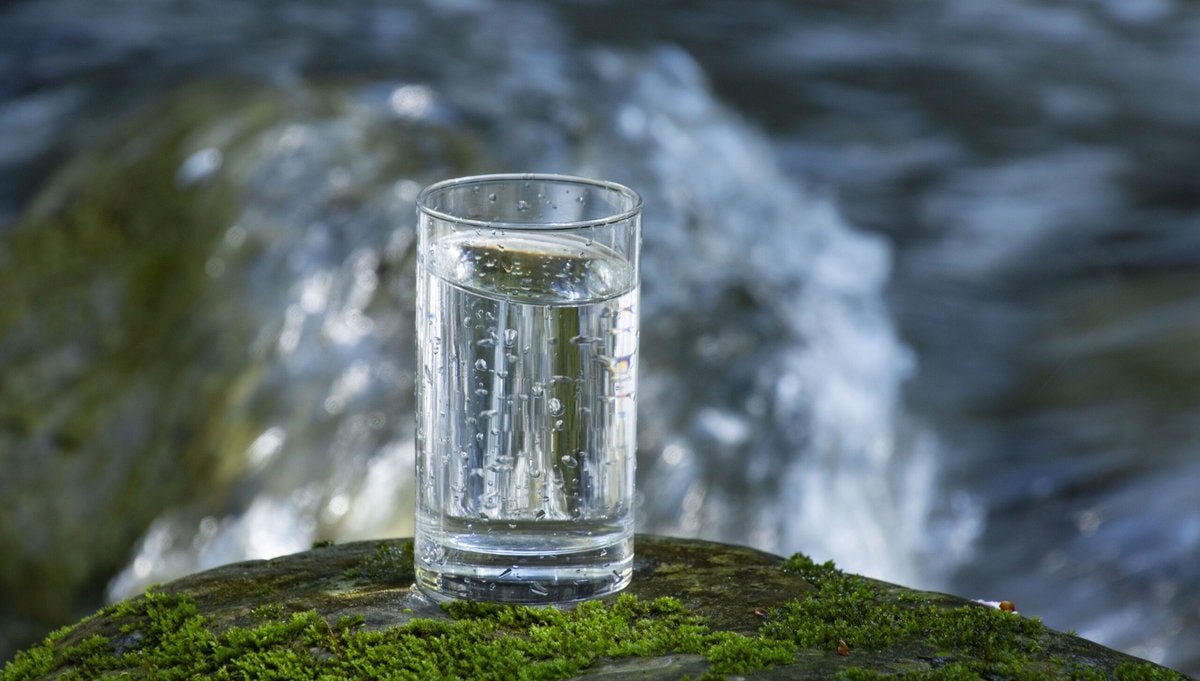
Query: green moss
point(164, 636)
point(390, 562)
point(268, 611)
point(843, 621)
point(965, 642)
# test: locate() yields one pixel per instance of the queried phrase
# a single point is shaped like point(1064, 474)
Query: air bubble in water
point(555, 406)
point(481, 364)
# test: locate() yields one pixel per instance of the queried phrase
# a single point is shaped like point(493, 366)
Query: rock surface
point(694, 609)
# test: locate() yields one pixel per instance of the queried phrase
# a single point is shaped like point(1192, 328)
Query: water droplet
point(481, 364)
point(492, 198)
point(484, 517)
point(538, 589)
point(555, 407)
point(558, 425)
point(540, 515)
point(510, 337)
point(604, 552)
point(568, 460)
point(522, 205)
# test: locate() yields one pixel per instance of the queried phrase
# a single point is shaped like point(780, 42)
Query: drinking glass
point(527, 337)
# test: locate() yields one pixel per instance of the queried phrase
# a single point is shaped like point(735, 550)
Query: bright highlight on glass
point(527, 335)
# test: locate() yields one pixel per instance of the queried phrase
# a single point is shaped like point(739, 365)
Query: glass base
point(543, 578)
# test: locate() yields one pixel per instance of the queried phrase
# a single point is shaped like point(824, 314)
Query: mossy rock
point(142, 290)
point(694, 610)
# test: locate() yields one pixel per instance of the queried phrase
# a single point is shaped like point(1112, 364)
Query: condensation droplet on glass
point(481, 364)
point(492, 197)
point(569, 461)
point(510, 337)
point(555, 406)
point(522, 205)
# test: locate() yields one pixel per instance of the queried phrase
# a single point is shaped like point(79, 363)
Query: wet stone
point(694, 609)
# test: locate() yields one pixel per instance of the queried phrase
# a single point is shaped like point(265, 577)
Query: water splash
point(772, 371)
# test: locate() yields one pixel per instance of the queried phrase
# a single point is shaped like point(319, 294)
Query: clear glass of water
point(527, 336)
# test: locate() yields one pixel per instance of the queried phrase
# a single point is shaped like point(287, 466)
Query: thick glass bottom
point(525, 567)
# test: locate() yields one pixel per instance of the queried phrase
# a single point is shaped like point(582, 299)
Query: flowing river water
point(920, 283)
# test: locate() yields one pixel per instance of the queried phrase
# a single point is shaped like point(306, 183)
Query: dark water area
point(922, 281)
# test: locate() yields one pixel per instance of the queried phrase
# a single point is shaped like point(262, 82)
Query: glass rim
point(498, 178)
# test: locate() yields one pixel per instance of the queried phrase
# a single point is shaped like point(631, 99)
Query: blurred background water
point(920, 296)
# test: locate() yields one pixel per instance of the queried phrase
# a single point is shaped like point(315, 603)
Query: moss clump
point(163, 636)
point(389, 562)
point(848, 613)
